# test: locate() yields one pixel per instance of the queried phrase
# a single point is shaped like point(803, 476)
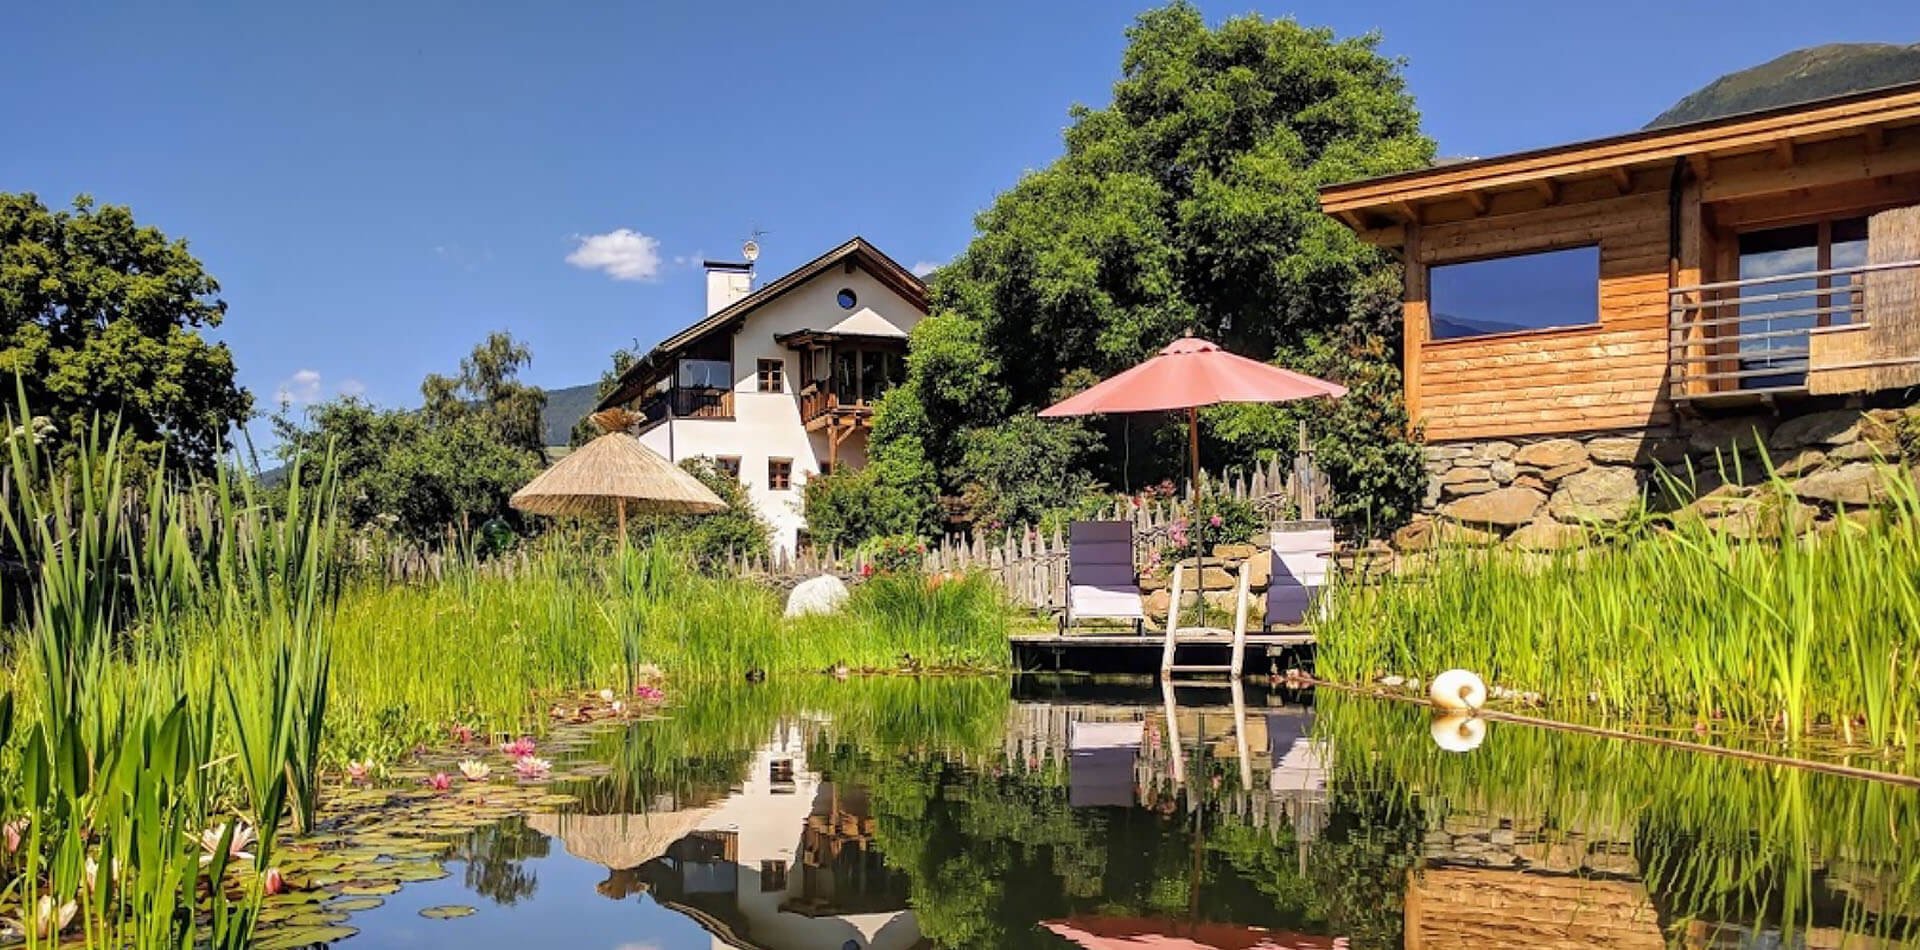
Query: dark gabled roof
point(856, 252)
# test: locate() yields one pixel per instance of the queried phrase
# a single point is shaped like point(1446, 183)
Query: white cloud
point(623, 253)
point(299, 389)
point(352, 387)
point(923, 268)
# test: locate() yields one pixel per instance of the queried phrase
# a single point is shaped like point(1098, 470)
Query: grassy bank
point(1688, 623)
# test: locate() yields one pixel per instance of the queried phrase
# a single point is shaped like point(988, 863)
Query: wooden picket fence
point(1031, 564)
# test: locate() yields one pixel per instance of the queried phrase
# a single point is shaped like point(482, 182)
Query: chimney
point(727, 282)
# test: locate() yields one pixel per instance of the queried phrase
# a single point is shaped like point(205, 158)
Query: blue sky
point(378, 185)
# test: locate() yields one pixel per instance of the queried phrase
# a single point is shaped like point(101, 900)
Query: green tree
point(100, 316)
point(584, 430)
point(451, 464)
point(737, 531)
point(1189, 203)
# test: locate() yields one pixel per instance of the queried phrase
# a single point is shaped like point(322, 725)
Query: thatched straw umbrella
point(615, 474)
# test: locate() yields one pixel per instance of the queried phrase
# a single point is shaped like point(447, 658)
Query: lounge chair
point(1302, 556)
point(1101, 581)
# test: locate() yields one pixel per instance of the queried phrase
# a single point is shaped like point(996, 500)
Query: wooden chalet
point(1642, 282)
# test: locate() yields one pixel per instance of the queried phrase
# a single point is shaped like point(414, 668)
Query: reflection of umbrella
point(1188, 374)
point(619, 841)
point(615, 474)
point(1158, 933)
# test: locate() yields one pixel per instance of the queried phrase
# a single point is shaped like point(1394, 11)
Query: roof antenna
point(750, 251)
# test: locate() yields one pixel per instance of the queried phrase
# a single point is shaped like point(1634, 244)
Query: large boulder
point(1547, 534)
point(1820, 428)
point(817, 595)
point(1506, 507)
point(1852, 485)
point(1606, 493)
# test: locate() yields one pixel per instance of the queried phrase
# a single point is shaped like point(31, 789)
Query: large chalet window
point(1775, 315)
point(1538, 291)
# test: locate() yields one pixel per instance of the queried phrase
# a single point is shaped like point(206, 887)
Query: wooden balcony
point(687, 402)
point(822, 408)
point(1841, 330)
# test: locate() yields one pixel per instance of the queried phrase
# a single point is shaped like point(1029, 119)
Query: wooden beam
point(1353, 220)
point(1622, 179)
point(1478, 199)
point(1390, 236)
point(1701, 165)
point(1549, 190)
point(1876, 138)
point(1783, 153)
point(1407, 211)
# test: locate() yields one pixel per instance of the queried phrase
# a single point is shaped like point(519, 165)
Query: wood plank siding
point(1608, 375)
point(1666, 209)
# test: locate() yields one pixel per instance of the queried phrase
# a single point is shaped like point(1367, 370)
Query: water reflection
point(951, 814)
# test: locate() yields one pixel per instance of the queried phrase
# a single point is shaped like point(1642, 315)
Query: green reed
point(1682, 621)
point(149, 596)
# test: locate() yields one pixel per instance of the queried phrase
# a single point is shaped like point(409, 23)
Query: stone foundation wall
point(1550, 493)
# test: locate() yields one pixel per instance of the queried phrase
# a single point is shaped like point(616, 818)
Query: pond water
point(902, 813)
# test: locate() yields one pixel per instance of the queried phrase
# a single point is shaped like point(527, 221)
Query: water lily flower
point(273, 882)
point(243, 838)
point(529, 767)
point(462, 733)
point(619, 707)
point(12, 833)
point(357, 771)
point(606, 695)
point(439, 782)
point(519, 748)
point(649, 693)
point(475, 770)
point(48, 920)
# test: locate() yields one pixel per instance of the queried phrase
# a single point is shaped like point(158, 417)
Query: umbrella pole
point(1193, 447)
point(620, 513)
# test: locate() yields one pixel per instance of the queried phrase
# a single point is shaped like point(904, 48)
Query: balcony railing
point(818, 403)
point(1755, 336)
point(688, 402)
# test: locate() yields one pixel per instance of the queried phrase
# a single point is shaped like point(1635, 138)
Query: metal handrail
point(1797, 275)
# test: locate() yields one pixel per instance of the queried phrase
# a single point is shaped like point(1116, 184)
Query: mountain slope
point(1817, 72)
point(566, 407)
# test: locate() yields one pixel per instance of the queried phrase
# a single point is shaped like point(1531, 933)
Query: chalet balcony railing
point(688, 402)
point(817, 402)
point(1755, 336)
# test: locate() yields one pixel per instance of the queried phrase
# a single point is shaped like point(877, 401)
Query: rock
point(1447, 453)
point(817, 595)
point(1800, 463)
point(1463, 476)
point(1154, 580)
point(1553, 475)
point(1156, 603)
point(1728, 435)
point(1546, 534)
point(1834, 427)
point(1619, 449)
point(1502, 471)
point(1496, 450)
point(1463, 489)
point(1552, 453)
point(1607, 493)
point(1218, 578)
point(1865, 450)
point(1853, 485)
point(1233, 552)
point(1751, 517)
point(1427, 534)
point(1223, 601)
point(1532, 481)
point(1259, 570)
point(1504, 507)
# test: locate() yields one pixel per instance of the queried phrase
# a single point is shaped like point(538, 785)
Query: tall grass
point(1686, 621)
point(150, 599)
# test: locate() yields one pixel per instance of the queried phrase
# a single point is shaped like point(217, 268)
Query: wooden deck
point(1127, 652)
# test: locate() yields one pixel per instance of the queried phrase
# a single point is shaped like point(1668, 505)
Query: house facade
point(1578, 316)
point(776, 383)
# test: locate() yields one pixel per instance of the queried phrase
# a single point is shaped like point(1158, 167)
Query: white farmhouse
point(776, 384)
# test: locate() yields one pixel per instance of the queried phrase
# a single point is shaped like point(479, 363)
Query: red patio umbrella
point(1187, 374)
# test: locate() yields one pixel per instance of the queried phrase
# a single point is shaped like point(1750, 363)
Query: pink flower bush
point(1215, 521)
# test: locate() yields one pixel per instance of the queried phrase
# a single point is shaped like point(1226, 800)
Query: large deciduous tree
point(102, 317)
point(1188, 204)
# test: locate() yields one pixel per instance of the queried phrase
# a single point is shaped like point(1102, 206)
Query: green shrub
point(1214, 519)
point(849, 508)
point(710, 539)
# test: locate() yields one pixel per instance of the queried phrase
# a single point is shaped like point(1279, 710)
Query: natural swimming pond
point(986, 813)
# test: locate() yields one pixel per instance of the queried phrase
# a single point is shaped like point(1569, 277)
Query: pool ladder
point(1169, 667)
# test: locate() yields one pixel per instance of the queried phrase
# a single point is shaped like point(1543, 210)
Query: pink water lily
point(529, 767)
point(12, 833)
point(357, 771)
point(648, 693)
point(462, 734)
point(243, 838)
point(49, 920)
point(273, 882)
point(475, 770)
point(519, 748)
point(439, 781)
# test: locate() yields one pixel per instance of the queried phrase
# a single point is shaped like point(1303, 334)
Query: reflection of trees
point(991, 853)
point(493, 856)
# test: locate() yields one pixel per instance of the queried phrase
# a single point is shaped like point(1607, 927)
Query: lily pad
point(290, 938)
point(447, 912)
point(370, 888)
point(350, 905)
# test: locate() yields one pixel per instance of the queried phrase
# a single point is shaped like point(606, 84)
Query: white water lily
point(530, 767)
point(48, 921)
point(606, 695)
point(475, 770)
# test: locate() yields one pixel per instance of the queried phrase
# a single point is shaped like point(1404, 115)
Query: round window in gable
point(847, 300)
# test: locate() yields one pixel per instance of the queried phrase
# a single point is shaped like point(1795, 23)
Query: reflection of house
point(787, 861)
point(778, 383)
